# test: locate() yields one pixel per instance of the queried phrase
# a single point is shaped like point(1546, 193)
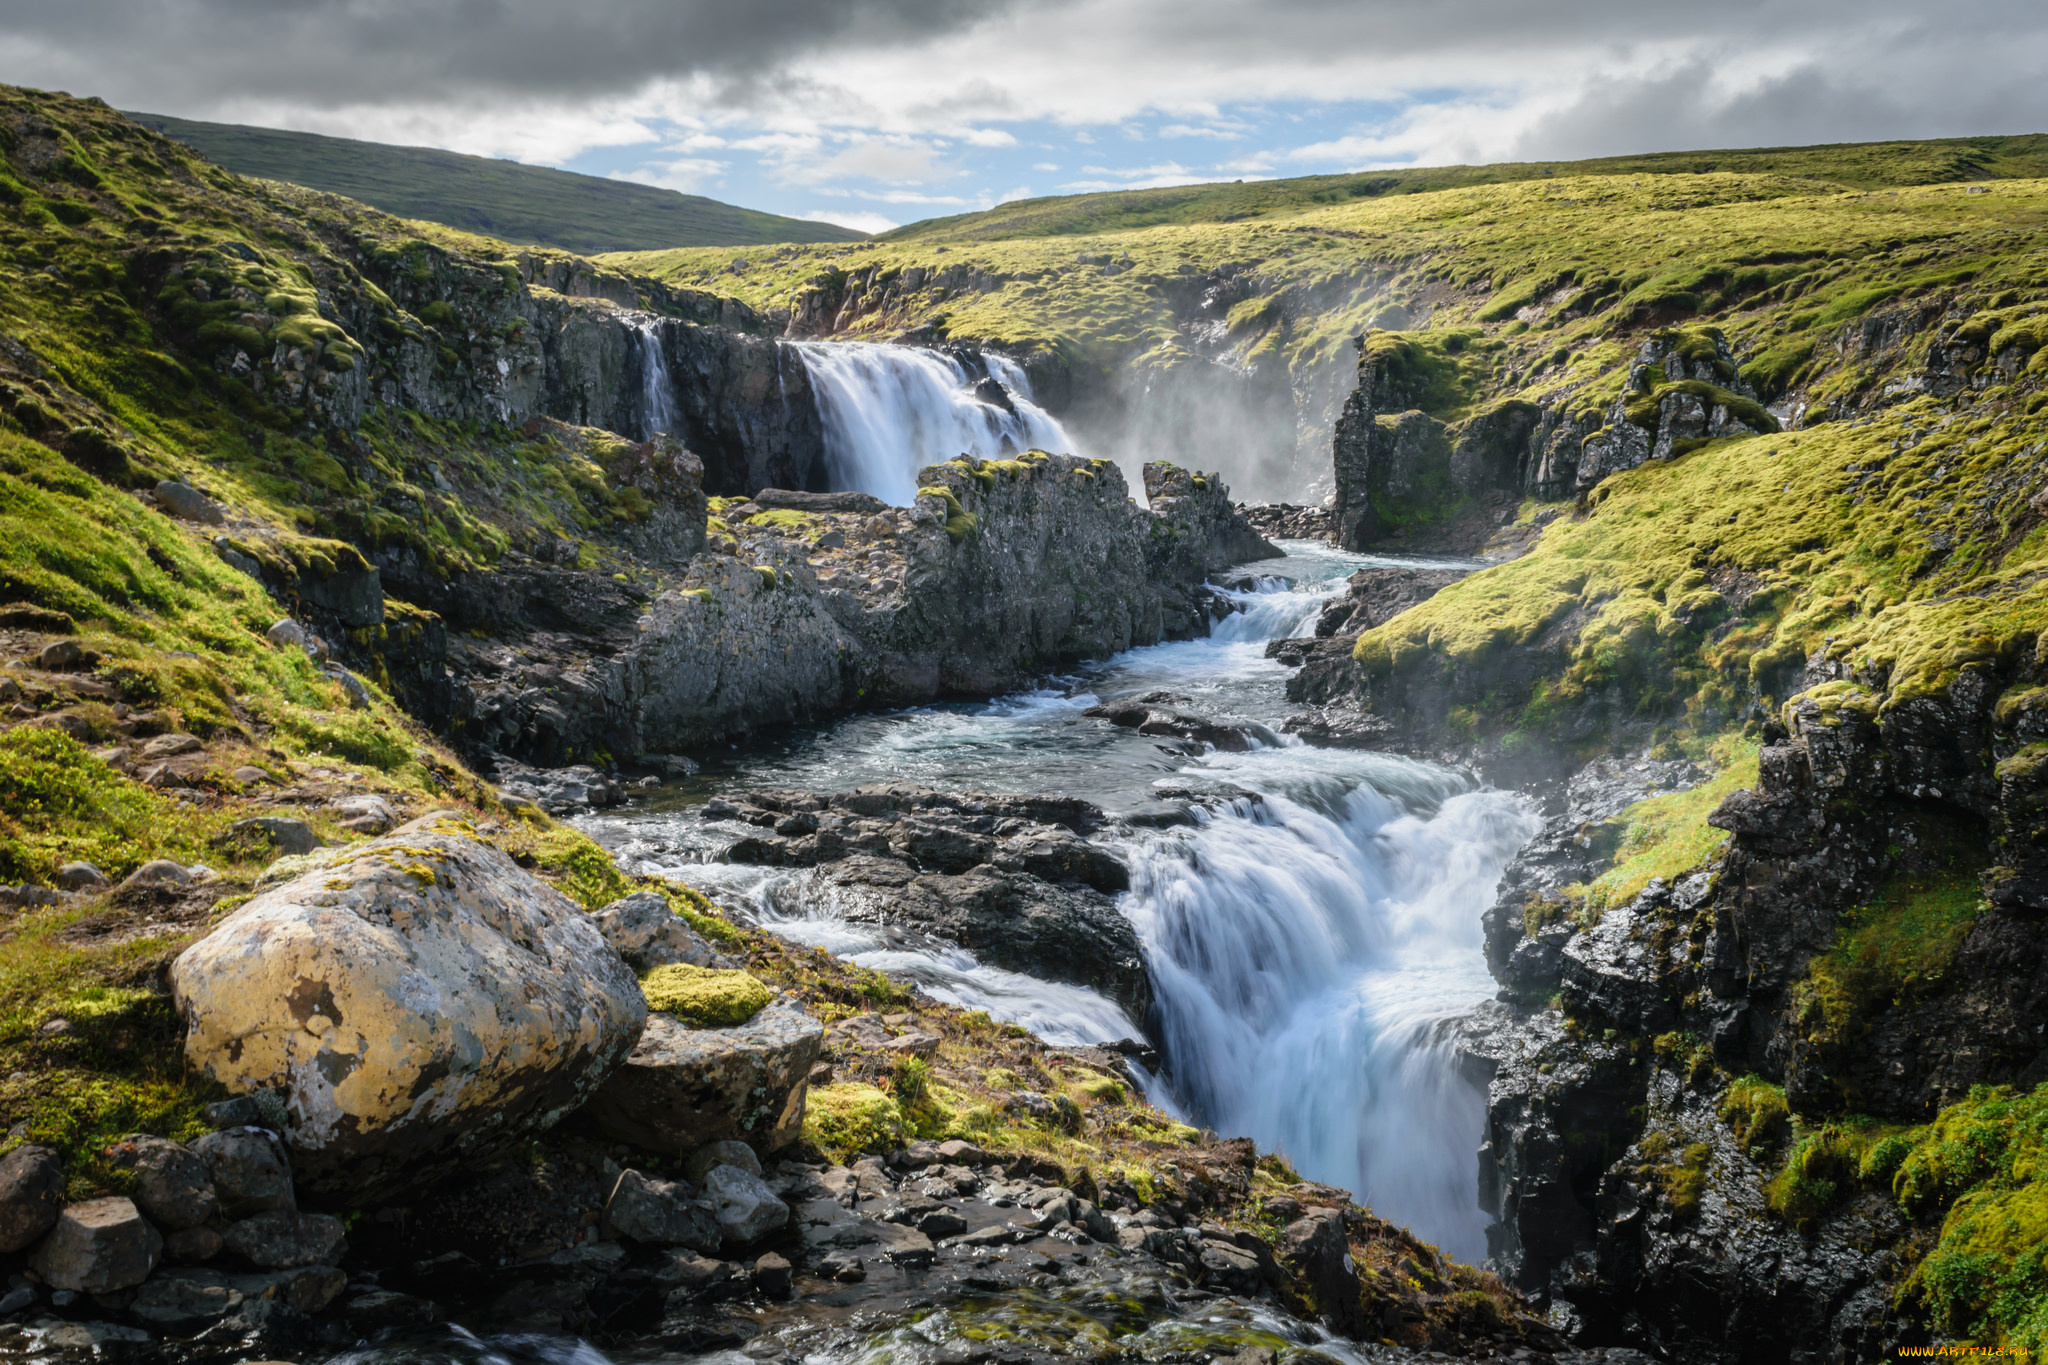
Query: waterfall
point(888, 411)
point(1305, 949)
point(657, 392)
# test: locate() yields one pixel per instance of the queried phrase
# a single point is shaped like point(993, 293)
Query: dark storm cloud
point(326, 53)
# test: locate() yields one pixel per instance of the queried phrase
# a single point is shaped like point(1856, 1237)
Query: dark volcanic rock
point(1011, 877)
point(1155, 713)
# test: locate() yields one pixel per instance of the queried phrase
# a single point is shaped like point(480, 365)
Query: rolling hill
point(535, 205)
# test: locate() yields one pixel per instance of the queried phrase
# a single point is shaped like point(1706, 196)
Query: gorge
point(869, 853)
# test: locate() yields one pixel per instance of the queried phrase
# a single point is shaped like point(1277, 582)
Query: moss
point(1983, 1165)
point(1667, 836)
point(705, 997)
point(1896, 947)
point(1756, 1113)
point(847, 1120)
point(959, 522)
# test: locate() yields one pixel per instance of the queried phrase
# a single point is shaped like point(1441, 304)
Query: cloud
point(859, 222)
point(686, 175)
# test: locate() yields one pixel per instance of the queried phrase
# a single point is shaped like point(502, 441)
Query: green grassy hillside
point(502, 199)
point(1864, 165)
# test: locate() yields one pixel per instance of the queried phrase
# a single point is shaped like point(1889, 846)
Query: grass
point(1668, 836)
point(497, 198)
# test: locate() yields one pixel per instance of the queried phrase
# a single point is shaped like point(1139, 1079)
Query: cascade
point(1308, 935)
point(657, 391)
point(888, 411)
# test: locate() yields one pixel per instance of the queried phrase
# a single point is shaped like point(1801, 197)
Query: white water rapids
point(1306, 938)
point(889, 411)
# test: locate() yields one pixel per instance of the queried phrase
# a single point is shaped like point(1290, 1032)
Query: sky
point(872, 113)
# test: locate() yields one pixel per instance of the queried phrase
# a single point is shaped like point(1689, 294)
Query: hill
point(502, 199)
point(1863, 165)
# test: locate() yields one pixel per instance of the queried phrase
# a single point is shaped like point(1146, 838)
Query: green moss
point(1898, 946)
point(1756, 1113)
point(960, 523)
point(1983, 1165)
point(848, 1120)
point(705, 997)
point(1668, 836)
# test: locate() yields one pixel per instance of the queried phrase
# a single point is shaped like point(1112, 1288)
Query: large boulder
point(418, 1000)
point(684, 1087)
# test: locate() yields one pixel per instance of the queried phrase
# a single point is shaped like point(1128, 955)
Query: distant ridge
point(505, 199)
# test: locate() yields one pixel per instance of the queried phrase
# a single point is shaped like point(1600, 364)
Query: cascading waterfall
point(657, 391)
point(1306, 942)
point(889, 411)
point(1305, 947)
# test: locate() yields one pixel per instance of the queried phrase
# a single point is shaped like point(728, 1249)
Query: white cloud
point(684, 174)
point(988, 137)
point(1045, 165)
point(859, 222)
point(1011, 196)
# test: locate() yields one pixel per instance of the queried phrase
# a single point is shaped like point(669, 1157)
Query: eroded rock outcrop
point(1014, 878)
point(418, 999)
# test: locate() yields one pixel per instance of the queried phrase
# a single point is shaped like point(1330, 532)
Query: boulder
point(187, 503)
point(81, 877)
point(648, 934)
point(682, 1087)
point(31, 1195)
point(418, 1000)
point(172, 1186)
point(158, 872)
point(192, 1245)
point(660, 1213)
point(712, 1155)
point(365, 814)
point(285, 1238)
point(184, 1301)
point(249, 1171)
point(97, 1247)
point(747, 1209)
point(289, 836)
point(171, 746)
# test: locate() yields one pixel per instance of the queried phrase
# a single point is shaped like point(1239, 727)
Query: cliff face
point(1003, 571)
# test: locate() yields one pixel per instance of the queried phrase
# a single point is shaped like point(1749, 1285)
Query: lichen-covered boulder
point(684, 1087)
point(419, 1001)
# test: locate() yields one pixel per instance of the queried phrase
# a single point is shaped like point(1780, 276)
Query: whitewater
point(1309, 933)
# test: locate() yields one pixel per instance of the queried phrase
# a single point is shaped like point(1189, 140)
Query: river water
point(1307, 935)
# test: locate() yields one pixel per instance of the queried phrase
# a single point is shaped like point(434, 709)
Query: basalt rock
point(683, 1088)
point(418, 999)
point(1014, 878)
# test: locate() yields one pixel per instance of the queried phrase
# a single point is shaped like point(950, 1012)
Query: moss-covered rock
point(705, 997)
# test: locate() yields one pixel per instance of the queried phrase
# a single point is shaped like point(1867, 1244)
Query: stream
point(1307, 934)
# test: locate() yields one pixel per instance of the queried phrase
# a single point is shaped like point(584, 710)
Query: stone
point(682, 1087)
point(916, 1043)
point(250, 776)
point(286, 1237)
point(97, 1247)
point(648, 934)
point(287, 835)
point(693, 1275)
point(192, 1245)
point(59, 655)
point(16, 1299)
point(309, 1289)
point(941, 1223)
point(170, 746)
point(187, 503)
point(381, 1308)
point(81, 877)
point(772, 1276)
point(960, 1152)
point(31, 1195)
point(289, 632)
point(239, 1112)
point(184, 1301)
point(660, 1213)
point(367, 813)
point(172, 1186)
point(157, 872)
point(747, 1209)
point(418, 1000)
point(249, 1169)
point(715, 1154)
point(352, 687)
point(842, 1266)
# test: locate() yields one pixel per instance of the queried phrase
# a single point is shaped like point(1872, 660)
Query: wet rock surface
point(1013, 878)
